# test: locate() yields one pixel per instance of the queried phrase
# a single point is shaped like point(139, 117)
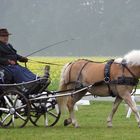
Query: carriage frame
point(32, 101)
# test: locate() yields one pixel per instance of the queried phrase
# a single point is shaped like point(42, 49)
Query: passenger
point(9, 60)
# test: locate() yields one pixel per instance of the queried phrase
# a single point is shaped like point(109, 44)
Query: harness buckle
point(106, 79)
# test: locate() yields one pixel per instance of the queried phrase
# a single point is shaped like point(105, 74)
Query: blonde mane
point(131, 58)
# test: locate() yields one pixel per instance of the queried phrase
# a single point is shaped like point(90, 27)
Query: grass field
point(92, 120)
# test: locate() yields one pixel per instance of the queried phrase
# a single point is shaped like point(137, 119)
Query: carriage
point(31, 101)
point(22, 102)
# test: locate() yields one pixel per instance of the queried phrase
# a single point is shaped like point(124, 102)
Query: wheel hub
point(12, 111)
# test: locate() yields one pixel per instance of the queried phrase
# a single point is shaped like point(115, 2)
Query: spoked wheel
point(3, 105)
point(45, 111)
point(14, 109)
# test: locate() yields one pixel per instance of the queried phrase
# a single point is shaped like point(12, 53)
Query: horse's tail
point(62, 101)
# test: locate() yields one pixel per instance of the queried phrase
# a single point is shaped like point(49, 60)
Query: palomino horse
point(114, 78)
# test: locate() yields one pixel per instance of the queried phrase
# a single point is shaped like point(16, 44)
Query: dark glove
point(24, 59)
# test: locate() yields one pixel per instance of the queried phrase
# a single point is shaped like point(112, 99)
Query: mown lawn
point(92, 120)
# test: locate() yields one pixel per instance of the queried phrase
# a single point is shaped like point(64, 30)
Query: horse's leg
point(71, 119)
point(66, 101)
point(127, 98)
point(116, 103)
point(70, 104)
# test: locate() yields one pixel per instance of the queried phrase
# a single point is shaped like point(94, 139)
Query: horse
point(115, 78)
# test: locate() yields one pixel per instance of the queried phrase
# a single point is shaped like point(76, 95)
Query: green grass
point(92, 120)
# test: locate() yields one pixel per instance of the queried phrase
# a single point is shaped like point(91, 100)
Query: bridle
point(124, 80)
point(134, 78)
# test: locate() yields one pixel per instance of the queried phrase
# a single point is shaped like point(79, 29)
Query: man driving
point(9, 60)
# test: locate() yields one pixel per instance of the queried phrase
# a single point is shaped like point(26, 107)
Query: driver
point(9, 60)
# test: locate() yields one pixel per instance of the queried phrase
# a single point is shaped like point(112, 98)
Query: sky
point(97, 27)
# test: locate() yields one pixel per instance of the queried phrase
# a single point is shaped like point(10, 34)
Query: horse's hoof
point(109, 125)
point(77, 126)
point(67, 122)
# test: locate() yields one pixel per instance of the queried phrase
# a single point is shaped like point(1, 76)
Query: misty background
point(101, 27)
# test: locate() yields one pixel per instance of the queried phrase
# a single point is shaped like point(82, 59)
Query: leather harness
point(107, 76)
point(123, 80)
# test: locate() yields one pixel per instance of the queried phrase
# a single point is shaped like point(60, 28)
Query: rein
point(125, 66)
point(42, 62)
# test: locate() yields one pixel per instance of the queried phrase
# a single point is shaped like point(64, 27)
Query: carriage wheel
point(44, 112)
point(14, 109)
point(2, 104)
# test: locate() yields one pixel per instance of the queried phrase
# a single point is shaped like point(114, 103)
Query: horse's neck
point(135, 70)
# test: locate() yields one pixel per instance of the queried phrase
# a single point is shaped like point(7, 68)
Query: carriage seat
point(31, 87)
